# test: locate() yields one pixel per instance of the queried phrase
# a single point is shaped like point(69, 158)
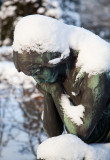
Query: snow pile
point(94, 52)
point(70, 147)
point(61, 147)
point(75, 113)
point(42, 34)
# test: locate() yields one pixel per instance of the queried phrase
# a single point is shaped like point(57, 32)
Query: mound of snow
point(70, 147)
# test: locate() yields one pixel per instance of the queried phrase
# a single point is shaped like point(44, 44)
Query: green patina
point(99, 92)
point(44, 74)
point(107, 75)
point(49, 55)
point(88, 122)
point(76, 52)
point(43, 58)
point(93, 81)
point(53, 91)
point(69, 125)
point(38, 59)
point(67, 121)
point(93, 84)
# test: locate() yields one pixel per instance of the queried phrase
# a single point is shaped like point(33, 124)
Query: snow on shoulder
point(41, 34)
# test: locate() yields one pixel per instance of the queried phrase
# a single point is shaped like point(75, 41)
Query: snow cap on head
point(44, 34)
point(40, 34)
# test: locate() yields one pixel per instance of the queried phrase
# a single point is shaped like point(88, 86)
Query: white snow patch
point(70, 147)
point(62, 147)
point(102, 151)
point(74, 94)
point(94, 52)
point(41, 34)
point(75, 113)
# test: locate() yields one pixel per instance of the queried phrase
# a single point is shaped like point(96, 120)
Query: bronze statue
point(57, 56)
point(55, 80)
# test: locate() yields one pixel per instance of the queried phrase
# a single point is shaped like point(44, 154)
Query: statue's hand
point(48, 87)
point(41, 89)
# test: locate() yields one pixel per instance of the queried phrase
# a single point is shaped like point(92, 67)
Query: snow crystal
point(69, 147)
point(75, 113)
point(42, 34)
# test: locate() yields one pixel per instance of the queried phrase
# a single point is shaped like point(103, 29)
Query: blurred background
point(21, 104)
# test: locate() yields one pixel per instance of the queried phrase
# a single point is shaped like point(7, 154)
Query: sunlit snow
point(70, 147)
point(44, 34)
point(75, 113)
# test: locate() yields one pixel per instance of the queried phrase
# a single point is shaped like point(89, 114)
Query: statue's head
point(34, 36)
point(37, 65)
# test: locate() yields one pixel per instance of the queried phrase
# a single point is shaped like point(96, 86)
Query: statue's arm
point(95, 99)
point(57, 93)
point(52, 122)
point(82, 119)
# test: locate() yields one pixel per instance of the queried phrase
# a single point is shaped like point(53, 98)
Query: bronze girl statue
point(79, 102)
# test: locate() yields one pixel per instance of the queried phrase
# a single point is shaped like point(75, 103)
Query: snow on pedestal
point(70, 147)
point(61, 147)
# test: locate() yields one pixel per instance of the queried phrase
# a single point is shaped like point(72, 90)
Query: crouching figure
point(71, 68)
